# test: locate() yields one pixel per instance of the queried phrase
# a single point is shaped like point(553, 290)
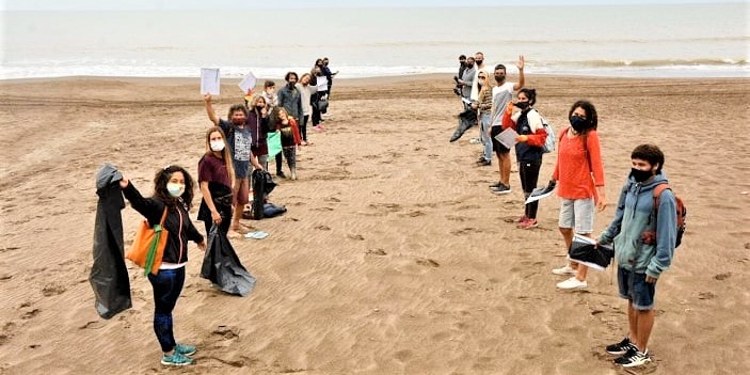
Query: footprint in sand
point(413, 214)
point(9, 248)
point(706, 295)
point(378, 252)
point(53, 290)
point(5, 276)
point(322, 227)
point(30, 314)
point(356, 237)
point(723, 276)
point(403, 355)
point(427, 262)
point(464, 231)
point(227, 332)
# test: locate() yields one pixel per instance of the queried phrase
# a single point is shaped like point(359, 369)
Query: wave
point(638, 68)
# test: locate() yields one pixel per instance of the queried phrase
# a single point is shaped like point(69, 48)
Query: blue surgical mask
point(175, 190)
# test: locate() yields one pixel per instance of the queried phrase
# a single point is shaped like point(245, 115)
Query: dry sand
point(394, 256)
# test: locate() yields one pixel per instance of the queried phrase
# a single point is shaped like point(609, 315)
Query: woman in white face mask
point(173, 195)
point(214, 171)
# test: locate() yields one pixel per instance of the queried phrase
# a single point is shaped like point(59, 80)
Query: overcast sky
point(244, 4)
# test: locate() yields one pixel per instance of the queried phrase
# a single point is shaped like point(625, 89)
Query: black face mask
point(499, 79)
point(579, 124)
point(479, 62)
point(521, 105)
point(640, 176)
point(469, 65)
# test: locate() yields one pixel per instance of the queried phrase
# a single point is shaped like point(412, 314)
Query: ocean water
point(635, 41)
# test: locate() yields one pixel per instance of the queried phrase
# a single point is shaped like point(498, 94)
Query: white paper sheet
point(248, 83)
point(210, 83)
point(322, 83)
point(507, 137)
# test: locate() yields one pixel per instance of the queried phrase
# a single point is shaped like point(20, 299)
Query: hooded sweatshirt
point(634, 217)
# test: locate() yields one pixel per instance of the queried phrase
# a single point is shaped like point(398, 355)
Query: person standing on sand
point(290, 138)
point(327, 72)
point(269, 94)
point(214, 171)
point(290, 98)
point(239, 138)
point(173, 196)
point(307, 91)
point(579, 177)
point(484, 107)
point(461, 68)
point(257, 120)
point(644, 236)
point(529, 151)
point(502, 94)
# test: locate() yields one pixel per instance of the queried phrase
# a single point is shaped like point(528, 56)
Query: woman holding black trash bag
point(173, 193)
point(214, 169)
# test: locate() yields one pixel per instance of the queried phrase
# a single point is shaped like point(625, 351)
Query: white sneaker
point(572, 283)
point(564, 271)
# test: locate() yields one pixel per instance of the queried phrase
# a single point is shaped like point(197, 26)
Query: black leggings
point(303, 127)
point(529, 172)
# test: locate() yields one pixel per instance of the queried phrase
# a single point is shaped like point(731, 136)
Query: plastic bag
point(222, 266)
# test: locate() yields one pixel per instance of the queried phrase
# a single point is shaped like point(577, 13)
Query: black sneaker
point(495, 186)
point(280, 174)
point(501, 190)
point(638, 359)
point(620, 348)
point(625, 358)
point(483, 162)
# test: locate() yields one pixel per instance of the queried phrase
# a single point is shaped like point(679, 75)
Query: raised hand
point(521, 62)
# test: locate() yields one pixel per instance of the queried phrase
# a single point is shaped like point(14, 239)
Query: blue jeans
point(167, 286)
point(484, 128)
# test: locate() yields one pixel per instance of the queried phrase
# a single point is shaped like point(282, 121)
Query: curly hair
point(650, 153)
point(160, 186)
point(591, 118)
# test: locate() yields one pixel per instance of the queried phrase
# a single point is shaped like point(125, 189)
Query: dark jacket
point(291, 100)
point(178, 224)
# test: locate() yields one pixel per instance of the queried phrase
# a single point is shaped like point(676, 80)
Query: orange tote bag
point(148, 246)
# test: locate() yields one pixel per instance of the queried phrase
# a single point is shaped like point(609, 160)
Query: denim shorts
point(577, 214)
point(633, 287)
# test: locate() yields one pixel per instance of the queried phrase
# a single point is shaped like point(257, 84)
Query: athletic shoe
point(176, 359)
point(483, 163)
point(620, 348)
point(501, 190)
point(528, 224)
point(572, 284)
point(564, 271)
point(280, 174)
point(522, 219)
point(185, 349)
point(497, 185)
point(635, 359)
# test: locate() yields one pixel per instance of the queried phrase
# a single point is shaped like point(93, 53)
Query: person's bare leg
point(644, 324)
point(632, 323)
point(505, 168)
point(500, 166)
point(238, 207)
point(567, 234)
point(582, 271)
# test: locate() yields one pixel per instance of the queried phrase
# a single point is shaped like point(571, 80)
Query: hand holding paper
point(210, 81)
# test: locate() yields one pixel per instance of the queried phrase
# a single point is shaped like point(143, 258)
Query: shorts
point(241, 190)
point(496, 145)
point(577, 214)
point(633, 287)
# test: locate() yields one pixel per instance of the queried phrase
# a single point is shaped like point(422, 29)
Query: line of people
point(234, 147)
point(579, 180)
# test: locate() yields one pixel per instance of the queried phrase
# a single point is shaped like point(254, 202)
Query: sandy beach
point(394, 256)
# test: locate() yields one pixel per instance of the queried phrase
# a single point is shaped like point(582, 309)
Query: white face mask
point(217, 145)
point(175, 189)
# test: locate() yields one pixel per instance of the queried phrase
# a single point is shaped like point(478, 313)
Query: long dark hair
point(591, 118)
point(160, 186)
point(530, 94)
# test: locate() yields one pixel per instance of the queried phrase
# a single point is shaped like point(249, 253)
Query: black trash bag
point(109, 274)
point(222, 266)
point(263, 185)
point(466, 120)
point(583, 251)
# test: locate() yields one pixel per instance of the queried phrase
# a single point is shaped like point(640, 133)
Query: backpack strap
point(658, 189)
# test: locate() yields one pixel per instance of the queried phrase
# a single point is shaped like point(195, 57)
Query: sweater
point(633, 218)
point(579, 167)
